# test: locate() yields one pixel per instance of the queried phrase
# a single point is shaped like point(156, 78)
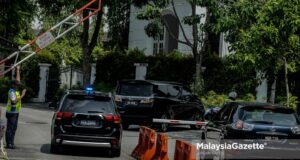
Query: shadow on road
point(174, 128)
point(78, 151)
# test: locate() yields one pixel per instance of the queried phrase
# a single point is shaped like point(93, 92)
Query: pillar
point(44, 73)
point(262, 91)
point(140, 71)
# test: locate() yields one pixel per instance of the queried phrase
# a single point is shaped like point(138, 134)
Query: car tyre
point(115, 152)
point(125, 126)
point(163, 127)
point(54, 148)
point(197, 117)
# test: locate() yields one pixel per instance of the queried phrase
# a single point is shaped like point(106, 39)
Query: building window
point(158, 45)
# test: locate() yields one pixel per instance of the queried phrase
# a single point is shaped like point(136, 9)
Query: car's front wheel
point(163, 127)
point(197, 117)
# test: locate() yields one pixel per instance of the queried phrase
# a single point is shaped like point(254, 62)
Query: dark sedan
point(273, 126)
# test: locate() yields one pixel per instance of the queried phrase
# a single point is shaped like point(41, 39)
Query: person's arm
point(18, 78)
point(23, 93)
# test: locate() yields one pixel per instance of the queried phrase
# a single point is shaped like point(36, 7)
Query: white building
point(166, 43)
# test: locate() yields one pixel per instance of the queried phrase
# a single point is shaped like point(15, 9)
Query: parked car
point(139, 101)
point(244, 121)
point(87, 119)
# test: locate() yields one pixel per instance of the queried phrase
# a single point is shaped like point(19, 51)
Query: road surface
point(33, 138)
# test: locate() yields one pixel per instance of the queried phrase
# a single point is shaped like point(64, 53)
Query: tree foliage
point(88, 39)
point(15, 17)
point(264, 33)
point(118, 17)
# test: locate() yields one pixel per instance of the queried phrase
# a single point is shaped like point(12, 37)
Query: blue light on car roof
point(89, 90)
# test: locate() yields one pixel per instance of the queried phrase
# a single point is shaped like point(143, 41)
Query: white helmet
point(232, 95)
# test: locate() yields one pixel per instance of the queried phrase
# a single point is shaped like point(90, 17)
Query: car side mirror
point(186, 98)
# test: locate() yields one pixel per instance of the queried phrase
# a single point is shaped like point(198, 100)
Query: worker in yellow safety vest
point(12, 109)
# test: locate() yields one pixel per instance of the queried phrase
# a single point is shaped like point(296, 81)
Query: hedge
point(114, 66)
point(177, 67)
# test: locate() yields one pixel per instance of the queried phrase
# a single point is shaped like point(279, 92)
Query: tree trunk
point(197, 55)
point(86, 68)
point(286, 83)
point(87, 48)
point(273, 90)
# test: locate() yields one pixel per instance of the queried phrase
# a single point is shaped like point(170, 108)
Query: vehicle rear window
point(143, 90)
point(269, 115)
point(88, 104)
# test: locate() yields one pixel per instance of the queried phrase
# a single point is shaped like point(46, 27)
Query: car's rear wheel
point(163, 127)
point(115, 152)
point(54, 148)
point(197, 117)
point(125, 126)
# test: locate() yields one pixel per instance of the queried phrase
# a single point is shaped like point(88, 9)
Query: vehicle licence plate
point(88, 123)
point(131, 103)
point(271, 138)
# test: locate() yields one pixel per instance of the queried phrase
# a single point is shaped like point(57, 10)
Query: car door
point(191, 104)
point(179, 106)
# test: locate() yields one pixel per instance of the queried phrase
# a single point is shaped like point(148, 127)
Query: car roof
point(257, 104)
point(154, 82)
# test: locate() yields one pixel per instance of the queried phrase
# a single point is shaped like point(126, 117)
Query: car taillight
point(239, 125)
point(114, 141)
point(63, 115)
point(110, 118)
point(243, 126)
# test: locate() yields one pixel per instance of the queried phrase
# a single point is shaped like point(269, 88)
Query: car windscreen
point(268, 115)
point(143, 90)
point(88, 104)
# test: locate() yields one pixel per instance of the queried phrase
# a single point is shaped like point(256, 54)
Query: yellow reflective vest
point(18, 105)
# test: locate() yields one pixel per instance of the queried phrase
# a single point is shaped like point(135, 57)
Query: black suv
point(139, 101)
point(87, 119)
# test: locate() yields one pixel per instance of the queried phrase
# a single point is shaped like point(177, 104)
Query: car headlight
point(118, 99)
point(296, 129)
point(148, 100)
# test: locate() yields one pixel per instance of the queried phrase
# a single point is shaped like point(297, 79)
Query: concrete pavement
point(33, 138)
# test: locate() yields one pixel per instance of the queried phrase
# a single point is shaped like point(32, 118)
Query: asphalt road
point(33, 139)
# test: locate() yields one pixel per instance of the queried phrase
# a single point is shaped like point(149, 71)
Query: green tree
point(118, 16)
point(88, 40)
point(265, 32)
point(15, 16)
